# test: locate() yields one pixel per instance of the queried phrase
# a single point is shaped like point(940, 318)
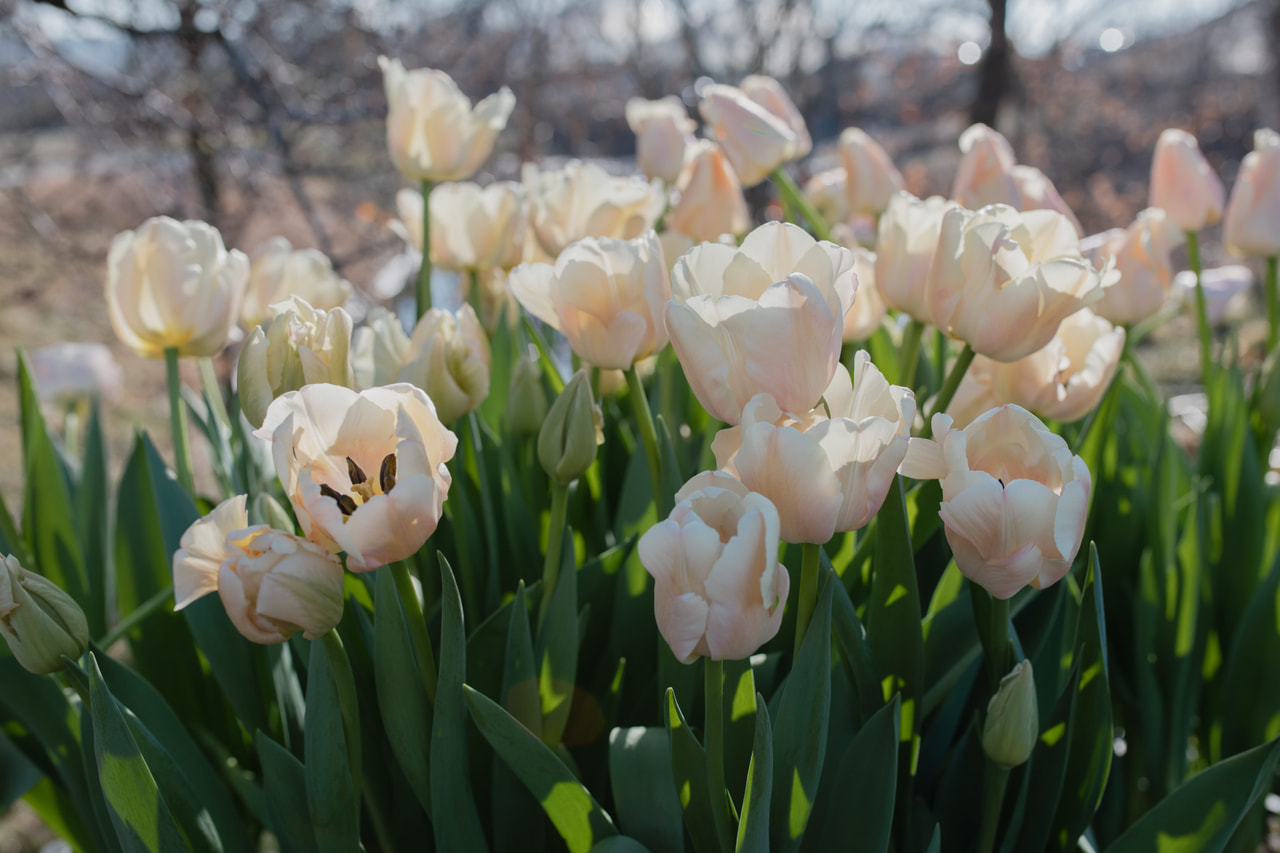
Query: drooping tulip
point(756, 138)
point(663, 132)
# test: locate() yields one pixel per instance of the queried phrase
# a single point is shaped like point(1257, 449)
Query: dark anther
point(357, 476)
point(345, 502)
point(387, 476)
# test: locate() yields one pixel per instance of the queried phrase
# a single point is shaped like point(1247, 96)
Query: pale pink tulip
point(1251, 225)
point(828, 192)
point(871, 177)
point(868, 310)
point(1142, 256)
point(768, 93)
point(985, 173)
point(711, 203)
point(583, 200)
point(1183, 183)
point(754, 138)
point(472, 227)
point(719, 590)
point(1037, 192)
point(663, 132)
point(906, 241)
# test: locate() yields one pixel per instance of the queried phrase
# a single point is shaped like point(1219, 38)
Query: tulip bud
point(526, 401)
point(39, 621)
point(568, 438)
point(1013, 720)
point(267, 510)
point(1183, 182)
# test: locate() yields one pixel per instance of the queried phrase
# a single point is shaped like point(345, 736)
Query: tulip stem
point(992, 617)
point(810, 560)
point(178, 422)
point(486, 503)
point(544, 355)
point(345, 680)
point(423, 291)
point(911, 352)
point(648, 436)
point(209, 379)
point(995, 778)
point(713, 674)
point(1202, 309)
point(1273, 303)
point(949, 387)
point(555, 542)
point(794, 198)
point(422, 649)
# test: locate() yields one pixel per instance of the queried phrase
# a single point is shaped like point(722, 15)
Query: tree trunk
point(993, 73)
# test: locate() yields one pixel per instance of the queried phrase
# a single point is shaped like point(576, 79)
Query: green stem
point(486, 504)
point(1273, 303)
point(178, 422)
point(648, 436)
point(911, 352)
point(995, 637)
point(791, 195)
point(1202, 309)
point(417, 627)
point(811, 557)
point(555, 541)
point(544, 355)
point(347, 701)
point(213, 390)
point(994, 780)
point(473, 295)
point(714, 683)
point(949, 387)
point(423, 291)
point(139, 614)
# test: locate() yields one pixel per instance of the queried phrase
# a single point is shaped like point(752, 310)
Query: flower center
point(362, 488)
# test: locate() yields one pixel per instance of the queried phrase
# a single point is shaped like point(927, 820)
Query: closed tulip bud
point(663, 131)
point(1251, 225)
point(1037, 192)
point(985, 173)
point(433, 132)
point(39, 621)
point(272, 583)
point(1142, 255)
point(583, 200)
point(379, 349)
point(277, 272)
point(527, 399)
point(719, 590)
point(872, 179)
point(828, 192)
point(569, 435)
point(173, 285)
point(905, 244)
point(1012, 727)
point(1183, 182)
point(302, 346)
point(448, 357)
point(711, 203)
point(755, 139)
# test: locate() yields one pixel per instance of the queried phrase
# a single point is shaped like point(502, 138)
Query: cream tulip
point(985, 173)
point(905, 243)
point(711, 203)
point(769, 93)
point(583, 200)
point(448, 357)
point(277, 272)
point(1251, 224)
point(829, 469)
point(1183, 183)
point(828, 192)
point(365, 472)
point(868, 310)
point(1014, 499)
point(1142, 256)
point(472, 227)
point(872, 179)
point(302, 346)
point(754, 138)
point(766, 317)
point(174, 285)
point(433, 132)
point(70, 372)
point(1037, 192)
point(605, 296)
point(272, 583)
point(719, 590)
point(663, 132)
point(379, 349)
point(1002, 281)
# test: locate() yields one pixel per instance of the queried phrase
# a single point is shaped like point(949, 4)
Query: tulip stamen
point(346, 503)
point(353, 470)
point(387, 473)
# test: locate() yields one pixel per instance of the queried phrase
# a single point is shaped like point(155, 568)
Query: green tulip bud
point(1013, 720)
point(568, 438)
point(39, 621)
point(526, 400)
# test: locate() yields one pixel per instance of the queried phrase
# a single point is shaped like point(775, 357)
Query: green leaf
point(402, 700)
point(458, 826)
point(139, 813)
point(516, 822)
point(574, 812)
point(557, 649)
point(619, 844)
point(866, 780)
point(689, 772)
point(753, 826)
point(333, 799)
point(1205, 812)
point(17, 774)
point(285, 786)
point(800, 728)
point(855, 655)
point(92, 503)
point(1251, 712)
point(1048, 768)
point(647, 806)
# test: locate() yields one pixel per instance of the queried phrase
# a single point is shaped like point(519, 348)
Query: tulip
point(663, 132)
point(1012, 728)
point(38, 620)
point(67, 373)
point(572, 430)
point(365, 472)
point(872, 179)
point(173, 285)
point(985, 173)
point(755, 140)
point(583, 200)
point(277, 272)
point(1183, 183)
point(302, 346)
point(604, 295)
point(1224, 288)
point(766, 317)
point(1002, 281)
point(272, 583)
point(906, 240)
point(1037, 192)
point(711, 203)
point(868, 310)
point(472, 227)
point(379, 349)
point(526, 400)
point(433, 133)
point(448, 357)
point(828, 192)
point(1251, 225)
point(1014, 499)
point(829, 469)
point(1142, 255)
point(719, 589)
point(768, 93)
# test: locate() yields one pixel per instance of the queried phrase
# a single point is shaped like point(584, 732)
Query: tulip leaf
point(739, 724)
point(1251, 712)
point(92, 503)
point(619, 844)
point(285, 788)
point(457, 826)
point(556, 648)
point(753, 826)
point(689, 773)
point(333, 798)
point(1205, 812)
point(17, 774)
point(800, 728)
point(138, 810)
point(648, 808)
point(855, 655)
point(866, 780)
point(402, 700)
point(573, 811)
point(514, 810)
point(1048, 766)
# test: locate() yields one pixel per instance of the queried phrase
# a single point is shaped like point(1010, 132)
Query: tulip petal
point(740, 620)
point(203, 548)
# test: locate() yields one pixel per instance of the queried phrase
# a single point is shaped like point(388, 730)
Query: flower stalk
point(555, 541)
point(178, 423)
point(648, 437)
point(714, 693)
point(1202, 309)
point(811, 558)
point(423, 292)
point(794, 198)
point(949, 387)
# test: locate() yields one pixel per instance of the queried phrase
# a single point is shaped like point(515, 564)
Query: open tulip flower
point(765, 317)
point(277, 271)
point(583, 200)
point(365, 472)
point(1142, 256)
point(1014, 499)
